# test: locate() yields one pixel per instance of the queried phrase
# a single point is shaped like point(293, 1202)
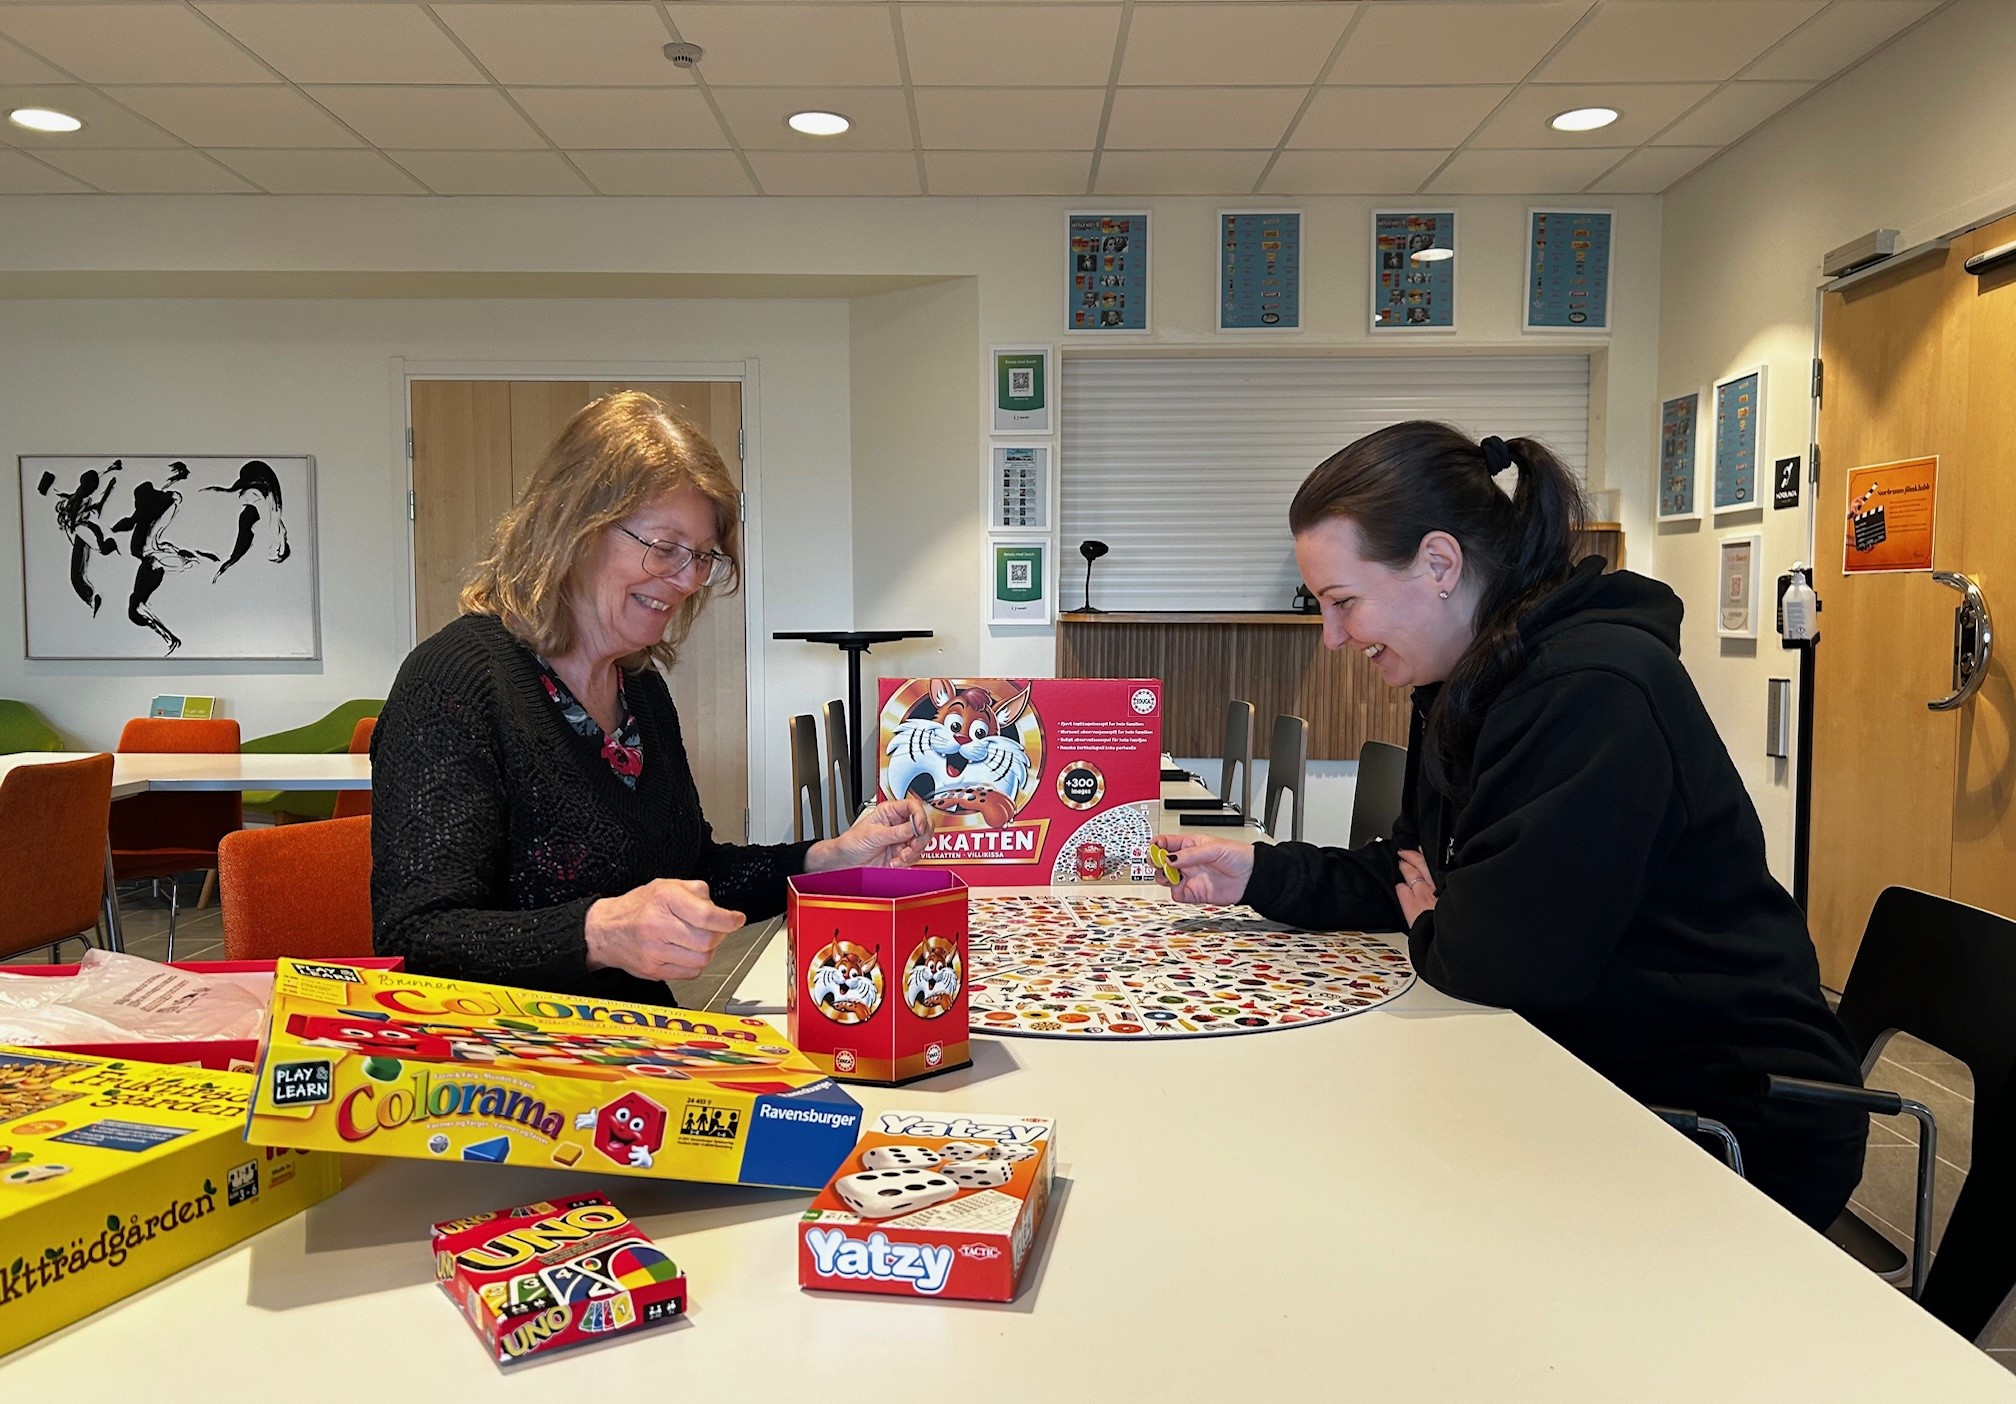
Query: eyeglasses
point(668, 560)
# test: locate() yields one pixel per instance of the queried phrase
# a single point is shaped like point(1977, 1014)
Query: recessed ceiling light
point(818, 123)
point(1432, 255)
point(1584, 119)
point(43, 119)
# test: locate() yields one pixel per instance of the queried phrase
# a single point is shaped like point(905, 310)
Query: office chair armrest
point(1690, 1123)
point(1834, 1094)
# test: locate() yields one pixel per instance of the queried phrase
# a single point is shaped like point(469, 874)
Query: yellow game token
point(1167, 865)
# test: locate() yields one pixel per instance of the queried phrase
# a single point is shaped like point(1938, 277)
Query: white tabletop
point(136, 773)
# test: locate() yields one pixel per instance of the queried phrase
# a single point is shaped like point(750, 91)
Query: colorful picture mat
point(1739, 410)
point(1568, 270)
point(1260, 270)
point(1113, 967)
point(1106, 273)
point(1408, 295)
point(1679, 422)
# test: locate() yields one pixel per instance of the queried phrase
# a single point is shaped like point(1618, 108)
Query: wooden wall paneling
point(461, 486)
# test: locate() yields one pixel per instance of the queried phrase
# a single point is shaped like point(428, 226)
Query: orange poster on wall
point(1890, 512)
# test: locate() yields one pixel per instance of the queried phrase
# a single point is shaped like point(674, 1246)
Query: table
point(854, 643)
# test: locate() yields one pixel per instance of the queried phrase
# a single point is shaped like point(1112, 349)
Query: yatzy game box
point(386, 1063)
point(1029, 781)
point(115, 1174)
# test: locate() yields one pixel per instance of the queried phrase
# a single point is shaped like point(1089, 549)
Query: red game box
point(877, 966)
point(545, 1276)
point(1030, 781)
point(932, 1204)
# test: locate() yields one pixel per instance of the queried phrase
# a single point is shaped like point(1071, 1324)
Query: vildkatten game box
point(387, 1063)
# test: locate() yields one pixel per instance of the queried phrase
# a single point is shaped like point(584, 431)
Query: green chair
point(329, 736)
point(22, 728)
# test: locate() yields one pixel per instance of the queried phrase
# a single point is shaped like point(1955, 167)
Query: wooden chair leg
point(210, 889)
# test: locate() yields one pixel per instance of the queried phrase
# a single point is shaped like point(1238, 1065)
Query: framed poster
point(1019, 584)
point(1740, 559)
point(1891, 511)
point(1259, 270)
point(1023, 390)
point(1106, 272)
point(1018, 487)
point(1568, 270)
point(1413, 271)
point(149, 556)
point(1739, 429)
point(1679, 473)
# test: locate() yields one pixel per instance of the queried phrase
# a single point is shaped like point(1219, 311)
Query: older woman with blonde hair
point(534, 818)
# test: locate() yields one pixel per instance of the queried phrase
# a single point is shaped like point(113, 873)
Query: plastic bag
point(116, 998)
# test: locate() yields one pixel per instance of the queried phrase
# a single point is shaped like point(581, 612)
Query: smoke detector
point(684, 55)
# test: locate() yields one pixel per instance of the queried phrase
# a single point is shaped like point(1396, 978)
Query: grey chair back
point(808, 817)
point(842, 804)
point(1238, 755)
point(1375, 804)
point(1287, 769)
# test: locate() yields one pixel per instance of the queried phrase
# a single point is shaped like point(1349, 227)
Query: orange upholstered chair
point(160, 835)
point(52, 828)
point(353, 802)
point(299, 890)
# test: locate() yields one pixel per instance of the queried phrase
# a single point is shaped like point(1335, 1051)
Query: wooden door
point(475, 446)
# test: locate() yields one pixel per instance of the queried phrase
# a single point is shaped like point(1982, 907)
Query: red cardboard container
point(877, 965)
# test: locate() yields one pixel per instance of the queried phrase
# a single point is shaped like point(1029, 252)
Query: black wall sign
point(1785, 483)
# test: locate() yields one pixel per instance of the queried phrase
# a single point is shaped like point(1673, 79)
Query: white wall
point(1916, 139)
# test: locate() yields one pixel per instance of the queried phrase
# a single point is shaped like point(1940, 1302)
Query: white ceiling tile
point(24, 175)
point(1351, 172)
point(1731, 113)
point(217, 116)
point(1652, 169)
point(1642, 109)
point(1010, 119)
point(1674, 41)
point(105, 122)
point(1839, 36)
point(178, 172)
point(833, 46)
point(431, 119)
point(1375, 118)
point(1170, 119)
point(1179, 172)
point(1211, 44)
point(1459, 43)
point(1007, 172)
point(131, 43)
point(1052, 45)
point(494, 172)
point(755, 117)
point(664, 172)
point(321, 172)
point(836, 172)
point(666, 119)
point(1522, 172)
point(584, 44)
point(358, 43)
point(17, 65)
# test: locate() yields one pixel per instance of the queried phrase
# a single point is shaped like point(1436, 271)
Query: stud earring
point(1443, 594)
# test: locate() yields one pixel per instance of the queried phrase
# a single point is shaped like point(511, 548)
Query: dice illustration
point(963, 1150)
point(900, 1158)
point(980, 1174)
point(876, 1194)
point(1010, 1152)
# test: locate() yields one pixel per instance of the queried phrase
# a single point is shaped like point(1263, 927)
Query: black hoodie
point(1605, 878)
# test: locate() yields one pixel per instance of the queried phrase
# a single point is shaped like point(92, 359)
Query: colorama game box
point(386, 1063)
point(932, 1204)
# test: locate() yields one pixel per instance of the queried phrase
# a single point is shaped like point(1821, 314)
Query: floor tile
point(1952, 1107)
point(1934, 1063)
point(1889, 1188)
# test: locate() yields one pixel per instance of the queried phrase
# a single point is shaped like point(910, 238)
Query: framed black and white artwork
point(131, 556)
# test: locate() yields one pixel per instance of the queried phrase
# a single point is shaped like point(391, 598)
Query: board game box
point(564, 1272)
point(114, 1174)
point(932, 1204)
point(1029, 781)
point(387, 1063)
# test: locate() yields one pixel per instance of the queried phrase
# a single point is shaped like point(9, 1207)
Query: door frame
point(745, 372)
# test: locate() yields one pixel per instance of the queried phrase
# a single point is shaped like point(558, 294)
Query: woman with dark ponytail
point(1574, 842)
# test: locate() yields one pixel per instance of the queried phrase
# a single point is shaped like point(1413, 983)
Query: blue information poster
point(1414, 271)
point(1568, 270)
point(1677, 421)
point(1739, 410)
point(1259, 270)
point(1106, 278)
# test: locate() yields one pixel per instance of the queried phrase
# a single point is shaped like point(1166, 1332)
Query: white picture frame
point(1038, 555)
point(207, 557)
point(1686, 506)
point(1596, 329)
point(1376, 293)
point(1292, 271)
point(1007, 368)
point(1739, 582)
point(1021, 485)
point(1724, 469)
point(1143, 287)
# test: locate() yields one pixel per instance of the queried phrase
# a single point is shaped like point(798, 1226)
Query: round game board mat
point(1125, 967)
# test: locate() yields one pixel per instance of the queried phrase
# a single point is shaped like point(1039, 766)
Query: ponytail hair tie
point(1497, 458)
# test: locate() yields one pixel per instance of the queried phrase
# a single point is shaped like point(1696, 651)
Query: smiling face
point(620, 608)
point(1396, 616)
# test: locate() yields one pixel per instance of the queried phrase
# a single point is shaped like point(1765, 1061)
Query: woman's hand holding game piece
point(1213, 870)
point(665, 930)
point(891, 835)
point(1416, 888)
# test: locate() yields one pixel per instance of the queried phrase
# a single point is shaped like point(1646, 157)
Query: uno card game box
point(554, 1274)
point(932, 1204)
point(877, 972)
point(114, 1174)
point(1029, 782)
point(387, 1063)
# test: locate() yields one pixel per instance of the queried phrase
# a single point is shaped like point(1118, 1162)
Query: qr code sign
point(1021, 382)
point(1020, 576)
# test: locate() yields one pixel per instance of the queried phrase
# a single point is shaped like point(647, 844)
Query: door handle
point(1973, 641)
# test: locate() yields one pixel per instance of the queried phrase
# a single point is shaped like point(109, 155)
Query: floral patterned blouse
point(625, 749)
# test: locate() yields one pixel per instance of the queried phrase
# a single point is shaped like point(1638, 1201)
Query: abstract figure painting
point(157, 557)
